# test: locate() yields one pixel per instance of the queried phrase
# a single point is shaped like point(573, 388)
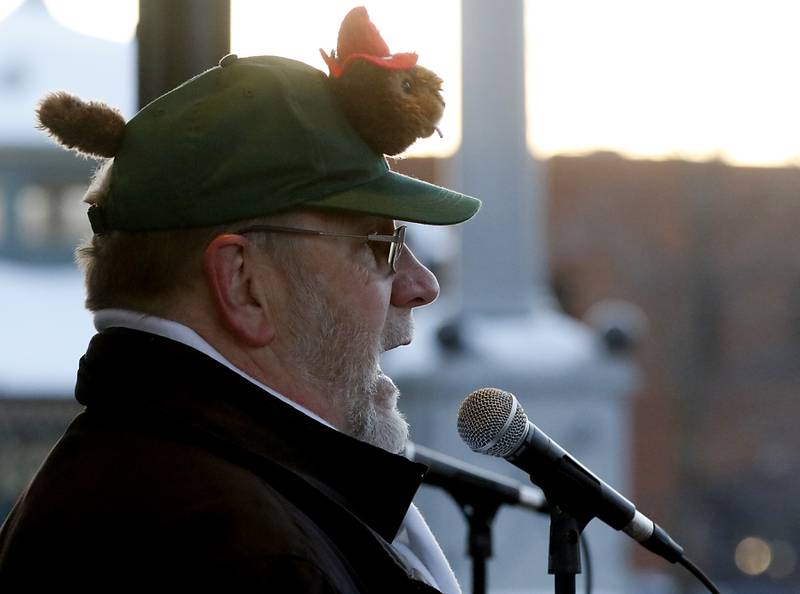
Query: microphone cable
point(587, 574)
point(696, 572)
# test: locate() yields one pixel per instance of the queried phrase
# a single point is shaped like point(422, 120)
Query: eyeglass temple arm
point(372, 236)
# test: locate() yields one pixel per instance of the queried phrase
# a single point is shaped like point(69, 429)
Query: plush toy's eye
point(407, 86)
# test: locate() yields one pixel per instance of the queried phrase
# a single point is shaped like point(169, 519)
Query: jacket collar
point(152, 377)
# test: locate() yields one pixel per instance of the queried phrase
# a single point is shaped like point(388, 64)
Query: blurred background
point(633, 275)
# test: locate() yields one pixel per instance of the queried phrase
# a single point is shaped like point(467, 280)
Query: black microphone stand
point(479, 494)
point(479, 510)
point(564, 556)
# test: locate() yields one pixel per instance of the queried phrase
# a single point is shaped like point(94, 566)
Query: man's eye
point(380, 252)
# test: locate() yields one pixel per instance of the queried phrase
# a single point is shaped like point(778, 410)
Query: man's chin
point(386, 392)
point(378, 420)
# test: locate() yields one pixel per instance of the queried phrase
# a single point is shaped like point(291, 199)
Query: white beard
point(376, 419)
point(339, 355)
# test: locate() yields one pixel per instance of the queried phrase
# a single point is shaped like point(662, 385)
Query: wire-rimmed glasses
point(396, 241)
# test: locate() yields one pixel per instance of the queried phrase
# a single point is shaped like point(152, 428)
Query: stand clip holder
point(564, 557)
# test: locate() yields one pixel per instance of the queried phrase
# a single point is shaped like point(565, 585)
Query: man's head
point(319, 317)
point(243, 204)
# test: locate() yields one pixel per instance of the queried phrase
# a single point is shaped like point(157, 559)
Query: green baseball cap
point(252, 137)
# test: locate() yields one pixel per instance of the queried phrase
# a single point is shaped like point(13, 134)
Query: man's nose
point(413, 284)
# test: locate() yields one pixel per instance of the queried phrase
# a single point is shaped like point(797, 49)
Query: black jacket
point(181, 473)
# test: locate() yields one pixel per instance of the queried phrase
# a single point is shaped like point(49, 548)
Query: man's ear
point(237, 292)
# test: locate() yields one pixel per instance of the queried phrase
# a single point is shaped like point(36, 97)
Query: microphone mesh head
point(491, 421)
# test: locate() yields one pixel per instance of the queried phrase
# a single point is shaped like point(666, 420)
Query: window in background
point(85, 47)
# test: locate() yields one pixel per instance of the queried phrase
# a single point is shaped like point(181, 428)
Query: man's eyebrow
point(377, 225)
point(384, 225)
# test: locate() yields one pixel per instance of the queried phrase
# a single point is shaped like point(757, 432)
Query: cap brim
point(404, 198)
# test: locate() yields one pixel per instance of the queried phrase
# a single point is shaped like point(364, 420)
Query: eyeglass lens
point(396, 248)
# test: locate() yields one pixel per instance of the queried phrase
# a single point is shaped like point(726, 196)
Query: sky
point(696, 79)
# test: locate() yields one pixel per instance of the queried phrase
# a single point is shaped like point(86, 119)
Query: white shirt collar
point(124, 318)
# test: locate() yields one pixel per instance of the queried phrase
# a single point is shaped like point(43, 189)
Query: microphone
point(491, 421)
point(453, 475)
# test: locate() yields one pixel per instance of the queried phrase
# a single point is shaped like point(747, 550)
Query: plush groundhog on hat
point(388, 98)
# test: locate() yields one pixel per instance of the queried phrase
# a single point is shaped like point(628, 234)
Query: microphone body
point(491, 421)
point(570, 483)
point(451, 474)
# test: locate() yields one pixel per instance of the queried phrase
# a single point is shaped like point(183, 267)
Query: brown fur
point(390, 109)
point(93, 129)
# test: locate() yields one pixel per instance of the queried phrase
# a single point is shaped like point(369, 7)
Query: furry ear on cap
point(387, 98)
point(92, 128)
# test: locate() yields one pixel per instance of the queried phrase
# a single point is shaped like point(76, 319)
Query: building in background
point(43, 326)
point(709, 253)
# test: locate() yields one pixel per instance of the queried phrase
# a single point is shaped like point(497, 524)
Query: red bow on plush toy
point(388, 98)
